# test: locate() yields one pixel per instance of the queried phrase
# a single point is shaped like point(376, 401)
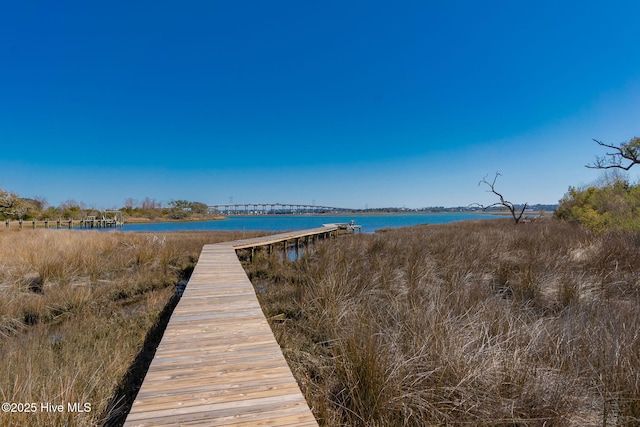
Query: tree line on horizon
point(14, 207)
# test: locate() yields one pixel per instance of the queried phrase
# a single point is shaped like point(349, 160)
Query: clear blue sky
point(345, 103)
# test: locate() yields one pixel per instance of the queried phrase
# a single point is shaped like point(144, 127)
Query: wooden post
point(297, 246)
point(33, 222)
point(46, 223)
point(271, 248)
point(7, 223)
point(284, 250)
point(20, 222)
point(70, 223)
point(58, 223)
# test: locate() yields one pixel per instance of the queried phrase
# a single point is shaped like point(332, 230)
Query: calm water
point(369, 223)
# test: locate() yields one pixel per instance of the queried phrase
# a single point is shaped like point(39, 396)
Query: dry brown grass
point(75, 307)
point(474, 323)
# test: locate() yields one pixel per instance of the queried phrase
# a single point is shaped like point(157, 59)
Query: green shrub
point(614, 206)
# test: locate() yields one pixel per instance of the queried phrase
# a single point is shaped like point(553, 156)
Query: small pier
point(108, 219)
point(350, 226)
point(218, 362)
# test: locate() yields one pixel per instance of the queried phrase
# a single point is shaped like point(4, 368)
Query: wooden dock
point(107, 219)
point(218, 363)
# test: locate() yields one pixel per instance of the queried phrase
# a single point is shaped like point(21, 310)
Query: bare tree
point(148, 204)
point(622, 156)
point(130, 203)
point(42, 202)
point(502, 202)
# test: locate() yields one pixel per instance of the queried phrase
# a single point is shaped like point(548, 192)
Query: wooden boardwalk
point(218, 363)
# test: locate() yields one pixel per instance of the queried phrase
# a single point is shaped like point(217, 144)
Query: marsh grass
point(75, 308)
point(472, 323)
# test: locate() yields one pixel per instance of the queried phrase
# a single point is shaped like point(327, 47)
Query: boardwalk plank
point(218, 362)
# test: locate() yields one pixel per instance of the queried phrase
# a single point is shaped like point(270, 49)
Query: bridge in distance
point(272, 209)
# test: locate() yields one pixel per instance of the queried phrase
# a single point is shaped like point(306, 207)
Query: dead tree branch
point(623, 156)
point(492, 189)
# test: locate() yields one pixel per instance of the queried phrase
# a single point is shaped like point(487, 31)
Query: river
point(369, 223)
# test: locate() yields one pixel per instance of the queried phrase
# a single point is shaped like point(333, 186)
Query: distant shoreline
point(138, 220)
point(142, 220)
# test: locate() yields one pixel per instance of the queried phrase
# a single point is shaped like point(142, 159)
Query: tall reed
point(471, 323)
point(75, 308)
